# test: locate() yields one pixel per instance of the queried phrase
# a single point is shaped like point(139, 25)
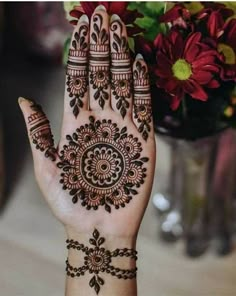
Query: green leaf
point(66, 50)
point(68, 6)
point(131, 43)
point(156, 7)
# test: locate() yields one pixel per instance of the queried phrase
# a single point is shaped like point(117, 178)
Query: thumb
point(39, 131)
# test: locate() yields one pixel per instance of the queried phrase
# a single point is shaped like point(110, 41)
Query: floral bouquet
point(190, 49)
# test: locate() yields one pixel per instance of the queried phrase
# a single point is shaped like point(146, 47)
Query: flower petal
point(118, 7)
point(175, 101)
point(191, 42)
point(202, 77)
point(195, 90)
point(215, 23)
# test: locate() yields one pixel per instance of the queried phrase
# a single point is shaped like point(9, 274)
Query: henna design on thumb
point(40, 132)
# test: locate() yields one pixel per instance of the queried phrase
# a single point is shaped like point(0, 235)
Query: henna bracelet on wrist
point(97, 259)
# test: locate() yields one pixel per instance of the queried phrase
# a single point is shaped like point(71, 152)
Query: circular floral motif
point(85, 134)
point(102, 164)
point(99, 79)
point(135, 174)
point(119, 198)
point(97, 260)
point(131, 145)
point(71, 180)
point(121, 88)
point(92, 199)
point(69, 153)
point(42, 141)
point(77, 85)
point(107, 130)
point(142, 113)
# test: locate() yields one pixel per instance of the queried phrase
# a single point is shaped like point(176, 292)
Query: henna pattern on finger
point(99, 260)
point(121, 82)
point(77, 72)
point(40, 132)
point(102, 165)
point(142, 99)
point(99, 61)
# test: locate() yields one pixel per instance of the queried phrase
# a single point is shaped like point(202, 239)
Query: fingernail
point(84, 19)
point(139, 57)
point(115, 17)
point(100, 7)
point(21, 100)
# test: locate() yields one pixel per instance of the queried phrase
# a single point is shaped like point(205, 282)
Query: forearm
point(100, 266)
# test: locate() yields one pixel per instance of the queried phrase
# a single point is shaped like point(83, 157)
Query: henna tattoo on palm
point(120, 70)
point(99, 260)
point(77, 72)
point(142, 101)
point(102, 165)
point(40, 132)
point(99, 61)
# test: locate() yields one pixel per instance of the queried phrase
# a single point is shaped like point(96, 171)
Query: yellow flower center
point(229, 111)
point(182, 70)
point(194, 7)
point(228, 52)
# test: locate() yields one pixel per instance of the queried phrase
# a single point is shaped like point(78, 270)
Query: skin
point(120, 227)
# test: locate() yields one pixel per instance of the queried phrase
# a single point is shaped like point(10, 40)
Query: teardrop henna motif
point(99, 260)
point(102, 165)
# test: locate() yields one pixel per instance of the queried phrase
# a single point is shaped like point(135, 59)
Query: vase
point(2, 173)
point(194, 193)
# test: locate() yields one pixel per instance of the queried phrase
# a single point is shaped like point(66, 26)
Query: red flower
point(119, 8)
point(210, 7)
point(178, 16)
point(224, 35)
point(185, 66)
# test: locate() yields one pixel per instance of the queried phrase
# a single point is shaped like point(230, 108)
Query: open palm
point(101, 174)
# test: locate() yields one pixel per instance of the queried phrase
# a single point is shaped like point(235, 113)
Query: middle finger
point(99, 61)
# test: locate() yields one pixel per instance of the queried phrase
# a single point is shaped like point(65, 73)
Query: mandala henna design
point(40, 132)
point(142, 100)
point(120, 70)
point(99, 61)
point(77, 82)
point(102, 165)
point(99, 260)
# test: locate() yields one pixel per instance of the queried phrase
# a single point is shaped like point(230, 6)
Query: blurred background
point(32, 248)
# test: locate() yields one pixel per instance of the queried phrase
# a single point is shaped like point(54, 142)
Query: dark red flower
point(178, 16)
point(224, 35)
point(119, 8)
point(210, 7)
point(185, 66)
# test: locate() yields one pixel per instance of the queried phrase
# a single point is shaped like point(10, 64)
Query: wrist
point(100, 258)
point(111, 241)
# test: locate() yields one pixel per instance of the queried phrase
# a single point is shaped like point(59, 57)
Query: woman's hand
point(100, 175)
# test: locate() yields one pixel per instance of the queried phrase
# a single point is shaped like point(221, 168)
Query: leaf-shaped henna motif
point(77, 72)
point(102, 165)
point(99, 260)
